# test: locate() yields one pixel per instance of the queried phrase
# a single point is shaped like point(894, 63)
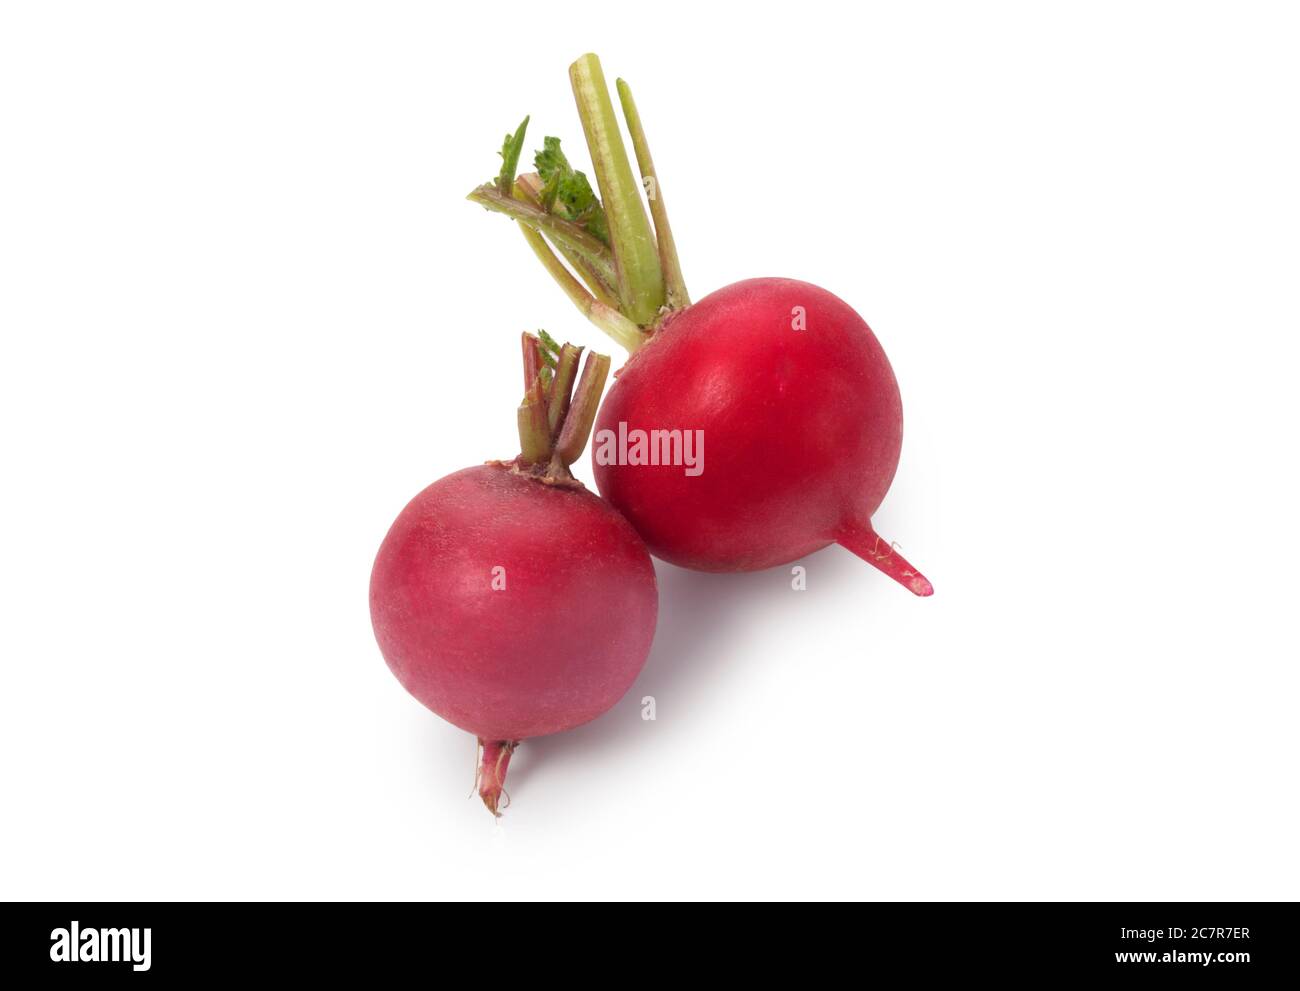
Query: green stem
point(639, 279)
point(534, 430)
point(528, 187)
point(674, 284)
point(532, 358)
point(566, 370)
point(563, 232)
point(582, 412)
point(608, 319)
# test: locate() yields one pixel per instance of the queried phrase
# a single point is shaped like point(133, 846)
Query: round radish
point(782, 382)
point(509, 599)
point(796, 432)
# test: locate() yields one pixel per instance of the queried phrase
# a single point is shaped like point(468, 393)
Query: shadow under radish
point(699, 616)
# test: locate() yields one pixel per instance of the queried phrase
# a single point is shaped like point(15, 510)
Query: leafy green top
point(562, 185)
point(510, 151)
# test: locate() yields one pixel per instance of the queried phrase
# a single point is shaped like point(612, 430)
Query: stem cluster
point(559, 406)
point(624, 275)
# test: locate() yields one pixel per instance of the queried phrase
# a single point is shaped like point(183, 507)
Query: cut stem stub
point(556, 417)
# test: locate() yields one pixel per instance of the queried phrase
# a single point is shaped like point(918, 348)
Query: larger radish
point(506, 597)
point(787, 384)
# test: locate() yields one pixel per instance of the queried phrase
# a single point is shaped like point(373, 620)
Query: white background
point(247, 314)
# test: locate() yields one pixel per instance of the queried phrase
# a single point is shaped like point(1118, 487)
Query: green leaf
point(549, 352)
point(567, 192)
point(550, 348)
point(550, 164)
point(511, 149)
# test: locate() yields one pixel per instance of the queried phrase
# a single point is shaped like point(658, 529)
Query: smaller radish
point(506, 597)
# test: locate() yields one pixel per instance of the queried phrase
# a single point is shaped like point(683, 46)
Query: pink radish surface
point(556, 647)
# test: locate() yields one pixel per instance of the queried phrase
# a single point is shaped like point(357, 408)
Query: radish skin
point(554, 648)
point(803, 429)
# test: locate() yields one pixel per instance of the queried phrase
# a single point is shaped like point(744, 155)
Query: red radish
point(787, 384)
point(509, 599)
point(803, 431)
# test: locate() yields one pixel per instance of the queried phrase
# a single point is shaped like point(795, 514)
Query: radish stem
point(566, 370)
point(555, 420)
point(562, 231)
point(528, 188)
point(639, 279)
point(608, 319)
point(534, 430)
point(674, 284)
point(532, 358)
point(582, 412)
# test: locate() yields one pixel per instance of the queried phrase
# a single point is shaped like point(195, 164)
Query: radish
point(506, 597)
point(791, 389)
